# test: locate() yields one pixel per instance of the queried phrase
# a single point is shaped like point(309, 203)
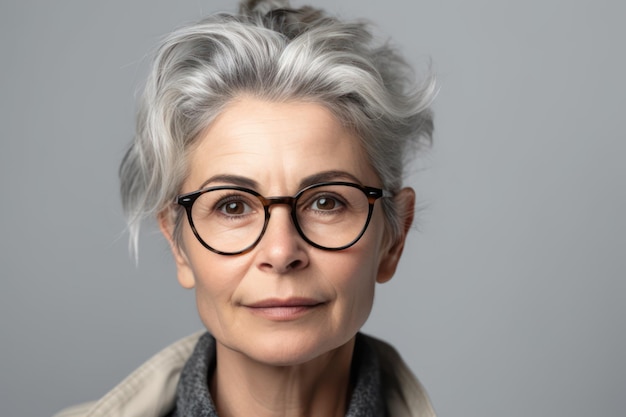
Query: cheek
point(355, 281)
point(216, 284)
point(355, 285)
point(211, 288)
point(216, 280)
point(366, 266)
point(362, 286)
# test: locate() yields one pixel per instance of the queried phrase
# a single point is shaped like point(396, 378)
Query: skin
point(287, 362)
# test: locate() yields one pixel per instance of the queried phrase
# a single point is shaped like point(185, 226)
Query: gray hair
point(274, 53)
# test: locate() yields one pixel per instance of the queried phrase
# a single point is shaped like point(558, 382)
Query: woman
point(270, 147)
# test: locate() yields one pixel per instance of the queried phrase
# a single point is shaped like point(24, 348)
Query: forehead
point(277, 145)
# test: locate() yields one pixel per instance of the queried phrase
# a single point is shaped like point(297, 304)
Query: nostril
point(295, 264)
point(291, 266)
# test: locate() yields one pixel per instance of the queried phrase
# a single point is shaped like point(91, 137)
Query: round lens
point(228, 220)
point(332, 216)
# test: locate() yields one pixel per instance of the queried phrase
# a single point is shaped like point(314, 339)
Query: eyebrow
point(328, 176)
point(246, 182)
point(237, 180)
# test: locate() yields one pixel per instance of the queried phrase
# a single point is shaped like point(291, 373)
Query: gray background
point(511, 297)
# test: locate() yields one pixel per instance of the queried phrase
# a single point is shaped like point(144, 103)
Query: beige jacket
point(150, 390)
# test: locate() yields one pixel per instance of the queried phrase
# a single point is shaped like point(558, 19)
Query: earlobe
point(405, 203)
point(184, 271)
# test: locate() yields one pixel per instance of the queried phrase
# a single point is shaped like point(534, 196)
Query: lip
point(276, 309)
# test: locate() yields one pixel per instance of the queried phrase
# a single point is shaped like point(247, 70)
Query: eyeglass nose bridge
point(271, 201)
point(288, 201)
point(285, 200)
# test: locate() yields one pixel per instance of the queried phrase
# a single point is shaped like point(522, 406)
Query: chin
point(279, 349)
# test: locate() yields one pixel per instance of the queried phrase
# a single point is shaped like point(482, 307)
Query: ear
point(184, 274)
point(405, 202)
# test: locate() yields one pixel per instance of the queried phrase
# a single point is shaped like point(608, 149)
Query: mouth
point(283, 309)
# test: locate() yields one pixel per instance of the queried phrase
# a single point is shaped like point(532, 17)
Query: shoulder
point(149, 391)
point(405, 395)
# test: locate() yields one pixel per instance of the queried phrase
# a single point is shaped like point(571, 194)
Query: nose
point(281, 248)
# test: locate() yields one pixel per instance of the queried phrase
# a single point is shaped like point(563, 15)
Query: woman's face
point(284, 302)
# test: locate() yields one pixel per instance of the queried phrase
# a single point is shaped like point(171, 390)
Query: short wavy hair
point(276, 53)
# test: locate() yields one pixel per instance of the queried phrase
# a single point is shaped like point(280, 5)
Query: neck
point(242, 386)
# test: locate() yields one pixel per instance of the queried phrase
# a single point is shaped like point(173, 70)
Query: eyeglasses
point(231, 220)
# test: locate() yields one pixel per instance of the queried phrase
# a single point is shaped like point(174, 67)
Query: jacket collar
point(151, 389)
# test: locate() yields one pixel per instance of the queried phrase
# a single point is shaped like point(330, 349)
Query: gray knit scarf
point(194, 400)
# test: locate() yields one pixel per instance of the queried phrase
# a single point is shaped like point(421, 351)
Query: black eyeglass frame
point(372, 194)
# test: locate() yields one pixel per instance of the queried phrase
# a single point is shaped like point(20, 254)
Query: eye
point(233, 206)
point(326, 203)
